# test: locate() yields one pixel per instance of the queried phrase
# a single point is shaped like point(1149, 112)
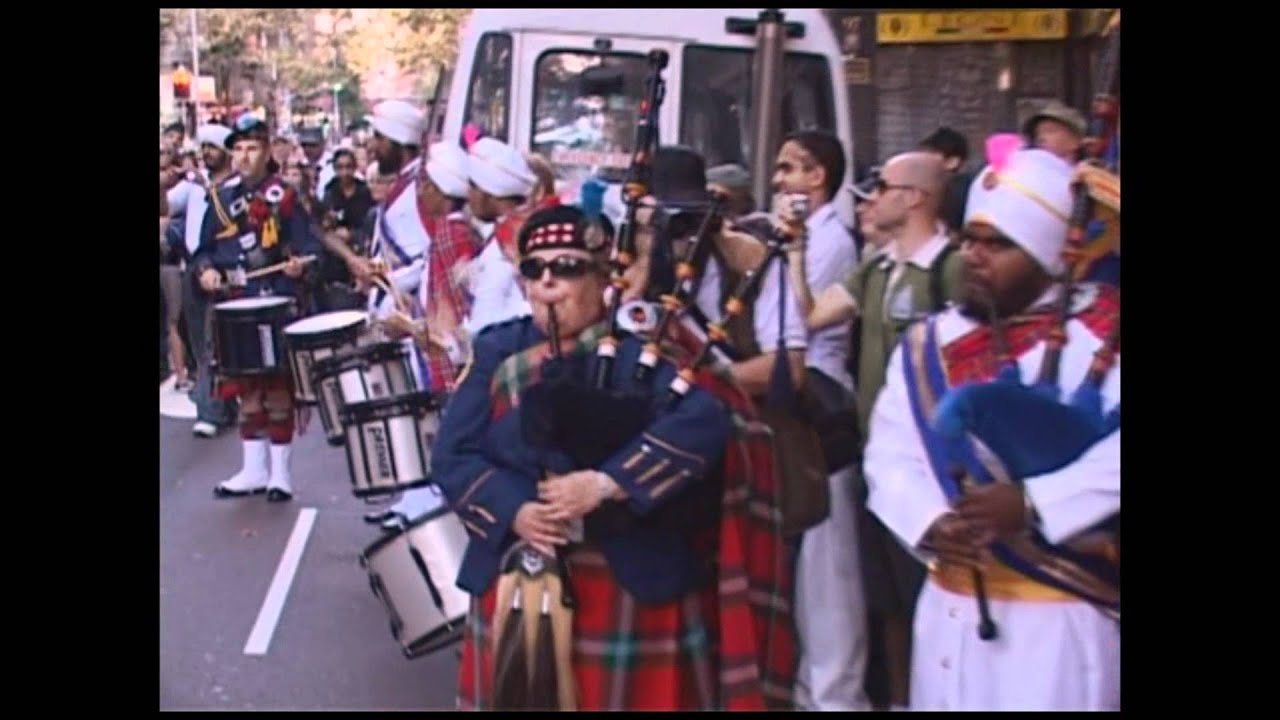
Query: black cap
point(679, 176)
point(863, 189)
point(248, 127)
point(564, 227)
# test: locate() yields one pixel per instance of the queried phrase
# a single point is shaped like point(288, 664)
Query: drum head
point(254, 303)
point(326, 322)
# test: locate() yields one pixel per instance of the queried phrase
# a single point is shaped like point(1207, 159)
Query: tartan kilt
point(228, 388)
point(626, 655)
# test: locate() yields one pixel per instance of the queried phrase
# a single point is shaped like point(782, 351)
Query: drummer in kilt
point(253, 223)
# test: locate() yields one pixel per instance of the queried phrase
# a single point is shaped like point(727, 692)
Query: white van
point(518, 78)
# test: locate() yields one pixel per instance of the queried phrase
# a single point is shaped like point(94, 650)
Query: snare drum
point(414, 572)
point(316, 338)
point(375, 371)
point(247, 335)
point(389, 442)
point(366, 373)
point(324, 379)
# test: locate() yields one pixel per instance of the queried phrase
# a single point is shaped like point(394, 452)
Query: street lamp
point(337, 109)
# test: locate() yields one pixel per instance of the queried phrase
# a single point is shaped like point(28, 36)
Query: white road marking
point(273, 604)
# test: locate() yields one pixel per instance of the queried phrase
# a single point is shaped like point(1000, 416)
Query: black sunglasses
point(564, 267)
point(882, 186)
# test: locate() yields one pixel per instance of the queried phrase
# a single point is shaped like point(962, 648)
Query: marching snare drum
point(389, 442)
point(366, 373)
point(324, 379)
point(375, 371)
point(247, 335)
point(414, 572)
point(316, 338)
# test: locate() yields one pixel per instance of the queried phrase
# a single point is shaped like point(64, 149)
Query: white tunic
point(496, 295)
point(399, 222)
point(1049, 655)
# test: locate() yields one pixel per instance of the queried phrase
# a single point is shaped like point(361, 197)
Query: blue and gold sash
point(1032, 568)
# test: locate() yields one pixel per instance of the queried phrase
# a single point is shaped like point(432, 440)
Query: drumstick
point(304, 259)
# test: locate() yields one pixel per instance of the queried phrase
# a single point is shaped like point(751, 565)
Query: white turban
point(399, 121)
point(447, 167)
point(498, 169)
point(215, 135)
point(1029, 201)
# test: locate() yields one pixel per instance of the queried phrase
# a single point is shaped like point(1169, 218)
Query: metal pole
point(195, 70)
point(337, 113)
point(767, 102)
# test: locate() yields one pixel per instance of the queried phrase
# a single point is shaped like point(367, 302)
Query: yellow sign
point(970, 26)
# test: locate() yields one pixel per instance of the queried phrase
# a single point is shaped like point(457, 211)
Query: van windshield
point(716, 102)
point(585, 112)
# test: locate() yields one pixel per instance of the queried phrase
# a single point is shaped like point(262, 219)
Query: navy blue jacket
point(488, 470)
point(224, 248)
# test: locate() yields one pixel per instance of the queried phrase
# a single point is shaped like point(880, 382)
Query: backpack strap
point(937, 273)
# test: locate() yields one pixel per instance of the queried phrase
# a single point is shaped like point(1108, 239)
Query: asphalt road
point(331, 648)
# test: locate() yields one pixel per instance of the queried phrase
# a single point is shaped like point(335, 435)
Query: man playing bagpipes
point(1009, 489)
point(598, 555)
point(253, 222)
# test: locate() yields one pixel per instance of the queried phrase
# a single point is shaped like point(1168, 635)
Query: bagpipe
point(1030, 428)
point(562, 413)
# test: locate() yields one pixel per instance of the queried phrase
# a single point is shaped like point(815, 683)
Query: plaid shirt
point(453, 242)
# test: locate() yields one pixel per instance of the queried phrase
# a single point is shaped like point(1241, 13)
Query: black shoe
point(374, 518)
point(278, 495)
point(222, 493)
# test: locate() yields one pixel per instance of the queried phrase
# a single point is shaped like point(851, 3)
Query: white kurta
point(400, 222)
point(495, 290)
point(1049, 655)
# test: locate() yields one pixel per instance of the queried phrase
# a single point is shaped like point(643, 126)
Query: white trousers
point(1047, 656)
point(831, 615)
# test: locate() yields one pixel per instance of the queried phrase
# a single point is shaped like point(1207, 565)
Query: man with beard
point(212, 413)
point(400, 240)
point(256, 222)
point(974, 499)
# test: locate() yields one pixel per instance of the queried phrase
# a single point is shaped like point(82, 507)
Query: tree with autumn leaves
point(297, 55)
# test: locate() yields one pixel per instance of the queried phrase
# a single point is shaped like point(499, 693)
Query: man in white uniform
point(1047, 549)
point(501, 182)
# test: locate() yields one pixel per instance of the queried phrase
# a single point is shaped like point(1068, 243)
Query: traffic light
point(181, 84)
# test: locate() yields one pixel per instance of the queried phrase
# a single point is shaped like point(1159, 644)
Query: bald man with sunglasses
point(916, 273)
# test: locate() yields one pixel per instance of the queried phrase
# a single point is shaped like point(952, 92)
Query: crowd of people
point(721, 554)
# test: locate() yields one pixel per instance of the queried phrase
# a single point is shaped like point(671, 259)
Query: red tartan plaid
point(452, 243)
point(756, 580)
point(232, 388)
point(751, 615)
point(626, 656)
